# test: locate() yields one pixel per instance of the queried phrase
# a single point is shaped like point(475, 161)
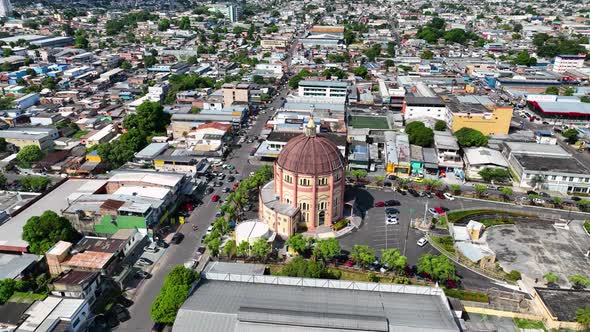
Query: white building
point(425, 107)
point(476, 159)
point(5, 8)
point(231, 11)
point(565, 63)
point(158, 91)
point(325, 89)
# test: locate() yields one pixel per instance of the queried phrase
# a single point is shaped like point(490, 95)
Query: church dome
point(310, 154)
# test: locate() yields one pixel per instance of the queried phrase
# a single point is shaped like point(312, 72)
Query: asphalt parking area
point(536, 248)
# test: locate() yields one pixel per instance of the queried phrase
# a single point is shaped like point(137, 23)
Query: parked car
point(209, 230)
point(426, 194)
point(413, 192)
point(401, 191)
point(231, 178)
point(142, 274)
point(392, 202)
point(177, 238)
point(544, 194)
point(152, 247)
point(349, 263)
point(532, 192)
point(142, 261)
point(121, 313)
point(214, 198)
point(190, 264)
point(226, 190)
point(433, 212)
point(449, 196)
point(162, 244)
point(422, 242)
point(379, 204)
point(440, 195)
point(538, 201)
point(439, 210)
point(391, 220)
point(392, 211)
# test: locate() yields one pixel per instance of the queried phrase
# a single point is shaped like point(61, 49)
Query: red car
point(349, 263)
point(214, 198)
point(235, 186)
point(439, 210)
point(440, 195)
point(189, 207)
point(379, 204)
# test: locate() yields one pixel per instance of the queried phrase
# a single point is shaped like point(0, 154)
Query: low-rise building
point(21, 137)
point(476, 159)
point(76, 284)
point(397, 154)
point(479, 113)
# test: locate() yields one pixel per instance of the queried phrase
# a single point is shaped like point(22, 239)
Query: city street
point(202, 216)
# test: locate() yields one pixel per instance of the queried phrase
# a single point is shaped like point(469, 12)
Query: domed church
point(308, 187)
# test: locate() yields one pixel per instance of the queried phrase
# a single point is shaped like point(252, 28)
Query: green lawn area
point(24, 297)
point(80, 133)
point(373, 122)
point(529, 324)
point(587, 225)
point(466, 295)
point(445, 242)
point(453, 217)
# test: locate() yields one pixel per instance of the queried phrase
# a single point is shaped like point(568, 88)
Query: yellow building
point(235, 93)
point(479, 113)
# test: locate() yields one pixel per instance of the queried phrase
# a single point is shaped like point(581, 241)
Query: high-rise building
point(5, 8)
point(231, 11)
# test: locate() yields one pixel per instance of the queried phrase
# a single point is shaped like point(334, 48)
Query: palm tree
point(480, 189)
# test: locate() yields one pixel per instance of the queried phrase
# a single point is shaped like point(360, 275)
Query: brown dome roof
point(311, 155)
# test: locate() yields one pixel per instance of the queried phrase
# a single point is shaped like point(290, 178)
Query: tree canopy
point(489, 174)
point(363, 255)
point(326, 249)
point(419, 134)
point(42, 232)
point(299, 243)
point(440, 125)
point(393, 259)
point(468, 137)
point(29, 155)
point(34, 183)
point(302, 268)
point(439, 267)
point(172, 295)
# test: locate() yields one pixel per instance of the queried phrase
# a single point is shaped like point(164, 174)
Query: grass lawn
point(80, 133)
point(373, 122)
point(587, 225)
point(529, 324)
point(466, 295)
point(453, 217)
point(25, 297)
point(445, 242)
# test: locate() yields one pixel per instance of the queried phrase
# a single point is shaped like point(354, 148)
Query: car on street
point(226, 190)
point(215, 198)
point(231, 178)
point(152, 247)
point(413, 192)
point(392, 202)
point(440, 195)
point(142, 274)
point(433, 212)
point(379, 204)
point(235, 186)
point(426, 194)
point(422, 242)
point(142, 261)
point(576, 198)
point(449, 196)
point(538, 201)
point(391, 211)
point(209, 190)
point(209, 230)
point(177, 238)
point(440, 210)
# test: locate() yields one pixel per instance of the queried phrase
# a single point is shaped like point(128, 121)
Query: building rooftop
point(270, 200)
point(234, 268)
point(445, 141)
point(11, 231)
point(551, 164)
point(324, 84)
point(536, 149)
point(162, 179)
point(269, 303)
point(424, 101)
point(75, 277)
point(42, 315)
point(12, 265)
point(484, 156)
point(563, 303)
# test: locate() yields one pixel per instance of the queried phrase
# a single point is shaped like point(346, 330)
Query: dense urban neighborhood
point(257, 165)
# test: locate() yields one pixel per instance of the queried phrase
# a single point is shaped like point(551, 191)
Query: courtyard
point(372, 122)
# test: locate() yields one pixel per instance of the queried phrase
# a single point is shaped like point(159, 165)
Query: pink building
point(308, 187)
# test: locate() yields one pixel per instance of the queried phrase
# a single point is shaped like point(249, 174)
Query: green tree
point(7, 288)
point(34, 183)
point(583, 316)
point(213, 246)
point(358, 173)
point(551, 277)
point(230, 249)
point(391, 49)
point(42, 232)
point(243, 249)
point(524, 58)
point(301, 268)
point(579, 282)
point(184, 23)
point(149, 61)
point(439, 267)
point(552, 90)
point(422, 137)
point(393, 259)
point(166, 305)
point(440, 125)
point(81, 40)
point(506, 192)
point(513, 275)
point(363, 255)
point(427, 55)
point(571, 135)
point(164, 24)
point(149, 119)
point(569, 91)
point(28, 155)
point(180, 275)
point(361, 71)
point(258, 79)
point(468, 137)
point(480, 189)
point(260, 249)
point(125, 65)
point(455, 188)
point(326, 249)
point(299, 243)
point(489, 174)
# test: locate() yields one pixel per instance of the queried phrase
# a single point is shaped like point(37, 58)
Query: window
point(554, 177)
point(322, 181)
point(305, 182)
point(288, 178)
point(323, 205)
point(337, 176)
point(304, 206)
point(571, 178)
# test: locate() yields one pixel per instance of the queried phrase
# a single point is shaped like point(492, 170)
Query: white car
point(209, 230)
point(391, 221)
point(422, 242)
point(433, 212)
point(449, 196)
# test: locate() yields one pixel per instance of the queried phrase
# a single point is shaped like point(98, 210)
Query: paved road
point(202, 216)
